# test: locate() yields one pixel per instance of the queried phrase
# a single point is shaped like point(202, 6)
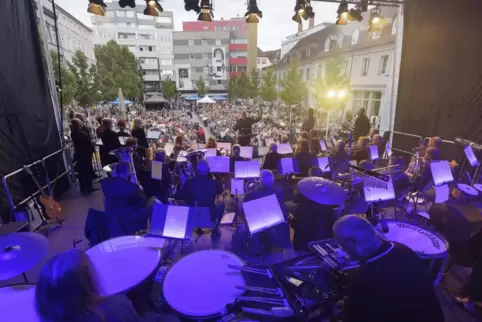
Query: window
point(130, 14)
point(146, 36)
point(264, 61)
point(217, 28)
point(150, 72)
point(219, 82)
point(242, 41)
point(327, 44)
point(148, 61)
point(365, 66)
point(218, 41)
point(370, 101)
point(110, 14)
point(225, 27)
point(191, 56)
point(320, 72)
point(205, 70)
point(204, 42)
point(394, 26)
point(218, 69)
point(140, 15)
point(355, 37)
point(308, 52)
point(239, 54)
point(205, 56)
point(383, 65)
point(346, 68)
point(164, 19)
point(191, 42)
point(340, 41)
point(122, 24)
point(120, 13)
point(151, 48)
point(166, 62)
point(376, 34)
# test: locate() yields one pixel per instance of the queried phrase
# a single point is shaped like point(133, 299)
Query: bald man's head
point(267, 178)
point(202, 168)
point(357, 236)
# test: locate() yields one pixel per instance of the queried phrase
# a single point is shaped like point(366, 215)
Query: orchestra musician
point(235, 156)
point(392, 282)
point(110, 142)
point(139, 133)
point(67, 290)
point(340, 159)
point(272, 158)
point(304, 157)
point(243, 125)
point(362, 150)
point(309, 122)
point(160, 188)
point(85, 127)
point(315, 147)
point(83, 150)
point(123, 131)
point(420, 167)
point(212, 144)
point(362, 124)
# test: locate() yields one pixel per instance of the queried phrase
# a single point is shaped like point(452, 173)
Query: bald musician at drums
point(392, 283)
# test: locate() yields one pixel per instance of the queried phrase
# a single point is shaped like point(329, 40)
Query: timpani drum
point(478, 187)
point(467, 192)
point(17, 303)
point(200, 285)
point(430, 247)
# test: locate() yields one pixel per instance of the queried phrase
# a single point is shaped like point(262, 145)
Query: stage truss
point(386, 3)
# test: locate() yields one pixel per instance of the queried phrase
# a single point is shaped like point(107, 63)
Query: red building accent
point(238, 61)
point(235, 74)
point(238, 47)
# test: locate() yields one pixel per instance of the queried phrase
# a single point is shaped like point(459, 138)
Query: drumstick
point(252, 270)
point(282, 302)
point(272, 291)
point(324, 253)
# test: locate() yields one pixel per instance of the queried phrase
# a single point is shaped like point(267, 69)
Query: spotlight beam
point(384, 3)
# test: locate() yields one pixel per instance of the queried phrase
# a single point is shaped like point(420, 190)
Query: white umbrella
point(206, 100)
point(122, 105)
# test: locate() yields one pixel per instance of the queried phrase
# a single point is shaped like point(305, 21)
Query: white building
point(73, 34)
point(267, 58)
point(148, 38)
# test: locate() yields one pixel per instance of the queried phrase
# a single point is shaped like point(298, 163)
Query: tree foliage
point(253, 89)
point(293, 87)
point(201, 87)
point(332, 78)
point(69, 85)
point(117, 68)
point(244, 86)
point(80, 68)
point(168, 88)
point(268, 90)
point(233, 89)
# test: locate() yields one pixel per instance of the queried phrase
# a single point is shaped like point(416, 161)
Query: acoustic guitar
point(52, 207)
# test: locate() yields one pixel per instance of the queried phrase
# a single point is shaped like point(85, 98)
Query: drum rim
point(440, 236)
point(460, 185)
point(19, 284)
point(167, 273)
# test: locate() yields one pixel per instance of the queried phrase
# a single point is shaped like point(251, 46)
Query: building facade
point(73, 34)
point(367, 59)
point(148, 38)
point(267, 58)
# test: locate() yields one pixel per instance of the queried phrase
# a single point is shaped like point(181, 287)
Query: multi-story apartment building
point(73, 34)
point(367, 60)
point(267, 58)
point(202, 54)
point(148, 38)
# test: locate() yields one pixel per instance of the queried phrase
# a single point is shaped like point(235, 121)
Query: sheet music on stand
point(122, 140)
point(288, 166)
point(373, 151)
point(378, 190)
point(268, 141)
point(237, 186)
point(153, 135)
point(262, 214)
point(170, 222)
point(209, 152)
point(388, 149)
point(285, 148)
point(225, 145)
point(99, 142)
point(246, 169)
point(263, 150)
point(228, 219)
point(156, 170)
point(181, 156)
point(470, 155)
point(168, 148)
point(441, 172)
point(246, 152)
point(324, 164)
point(218, 164)
point(323, 145)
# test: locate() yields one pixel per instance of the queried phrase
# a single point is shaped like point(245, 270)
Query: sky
point(275, 25)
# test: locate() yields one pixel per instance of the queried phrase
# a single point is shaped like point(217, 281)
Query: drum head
point(478, 187)
point(201, 284)
point(17, 303)
point(420, 240)
point(468, 189)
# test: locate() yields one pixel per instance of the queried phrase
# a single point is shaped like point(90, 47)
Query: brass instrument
point(123, 154)
point(252, 185)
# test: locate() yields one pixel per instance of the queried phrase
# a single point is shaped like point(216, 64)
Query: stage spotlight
point(364, 5)
point(341, 93)
point(192, 5)
point(253, 14)
point(376, 22)
point(302, 10)
point(206, 11)
point(343, 13)
point(125, 3)
point(309, 9)
point(97, 7)
point(331, 93)
point(153, 8)
point(355, 14)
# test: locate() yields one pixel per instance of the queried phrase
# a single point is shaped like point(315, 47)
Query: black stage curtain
point(440, 87)
point(28, 130)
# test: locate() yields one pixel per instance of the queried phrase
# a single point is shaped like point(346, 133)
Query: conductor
point(243, 125)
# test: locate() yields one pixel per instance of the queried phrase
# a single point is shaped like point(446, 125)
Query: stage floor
point(75, 207)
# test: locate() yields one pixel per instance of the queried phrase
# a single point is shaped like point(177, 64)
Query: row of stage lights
point(303, 9)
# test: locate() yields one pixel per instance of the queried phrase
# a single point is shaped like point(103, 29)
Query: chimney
point(311, 22)
point(300, 27)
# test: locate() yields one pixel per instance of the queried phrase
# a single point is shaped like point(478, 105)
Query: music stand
point(376, 190)
point(288, 166)
point(237, 186)
point(153, 135)
point(246, 152)
point(156, 170)
point(324, 164)
point(168, 148)
point(246, 169)
point(388, 149)
point(373, 151)
point(225, 145)
point(263, 213)
point(263, 150)
point(122, 140)
point(441, 172)
point(209, 152)
point(99, 142)
point(201, 145)
point(218, 164)
point(323, 145)
point(470, 155)
point(285, 148)
point(268, 141)
point(171, 222)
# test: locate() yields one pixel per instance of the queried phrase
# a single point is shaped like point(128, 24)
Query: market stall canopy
point(220, 98)
point(192, 98)
point(116, 102)
point(206, 100)
point(155, 99)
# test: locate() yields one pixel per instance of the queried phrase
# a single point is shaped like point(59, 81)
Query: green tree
point(69, 85)
point(268, 90)
point(254, 84)
point(243, 86)
point(233, 90)
point(168, 88)
point(117, 68)
point(331, 80)
point(293, 87)
point(201, 87)
point(94, 84)
point(80, 68)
